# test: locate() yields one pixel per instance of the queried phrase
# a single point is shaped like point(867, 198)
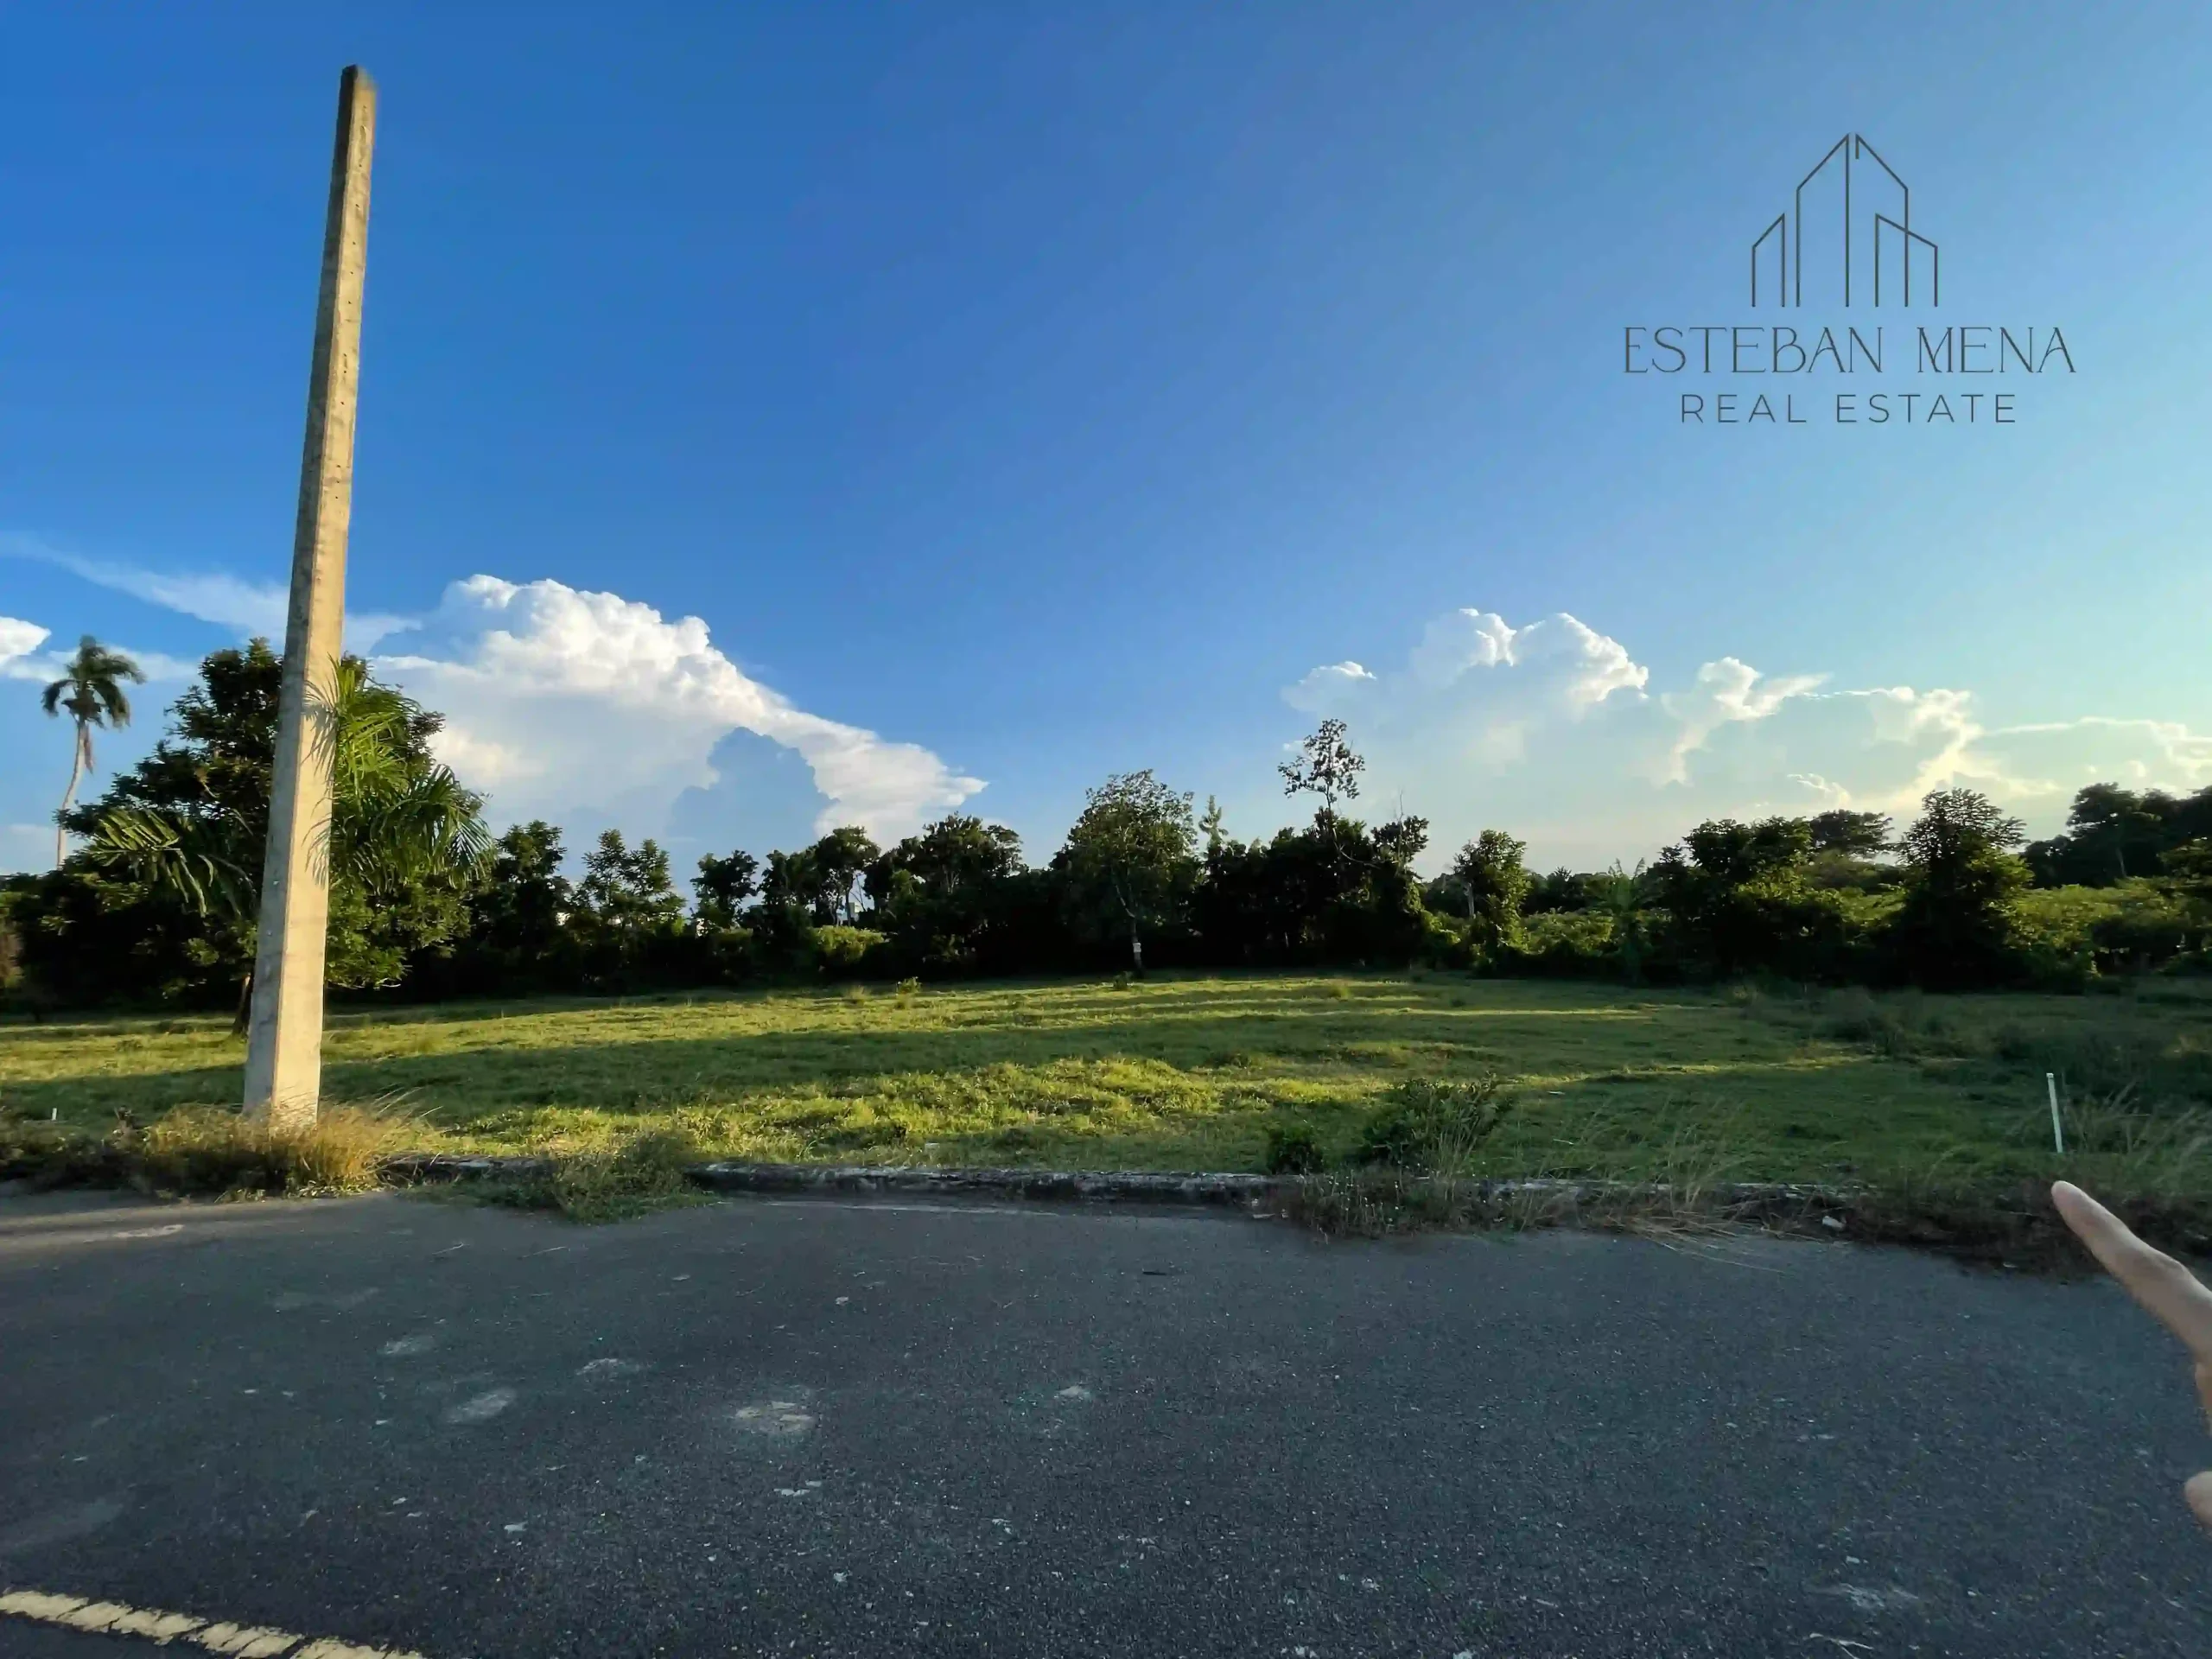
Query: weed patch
point(644, 1174)
point(1292, 1149)
point(207, 1151)
point(1432, 1126)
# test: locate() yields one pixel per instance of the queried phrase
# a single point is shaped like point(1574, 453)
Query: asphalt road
point(823, 1427)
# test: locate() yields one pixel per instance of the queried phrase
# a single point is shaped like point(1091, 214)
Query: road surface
point(880, 1428)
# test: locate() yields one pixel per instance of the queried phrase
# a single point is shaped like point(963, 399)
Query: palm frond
point(428, 822)
point(197, 860)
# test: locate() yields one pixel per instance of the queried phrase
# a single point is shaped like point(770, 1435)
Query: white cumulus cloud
point(22, 659)
point(18, 640)
point(1548, 731)
point(1724, 691)
point(570, 705)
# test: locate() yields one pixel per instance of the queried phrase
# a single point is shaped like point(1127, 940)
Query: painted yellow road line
point(151, 1624)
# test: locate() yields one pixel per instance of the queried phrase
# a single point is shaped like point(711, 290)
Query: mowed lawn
point(1190, 1072)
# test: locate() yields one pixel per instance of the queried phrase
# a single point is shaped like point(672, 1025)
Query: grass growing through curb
point(1921, 1102)
point(618, 1183)
point(202, 1151)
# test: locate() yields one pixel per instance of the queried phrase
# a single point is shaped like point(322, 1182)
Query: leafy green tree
point(629, 891)
point(1848, 853)
point(1563, 890)
point(721, 888)
point(1128, 863)
point(629, 917)
point(839, 861)
point(1401, 841)
point(1493, 884)
point(940, 894)
point(518, 937)
point(1620, 895)
point(790, 889)
point(2114, 834)
point(90, 691)
point(1732, 854)
point(1855, 835)
point(184, 833)
point(958, 854)
point(2189, 876)
point(1959, 921)
point(1740, 898)
point(1326, 765)
point(2189, 867)
point(789, 881)
point(1331, 891)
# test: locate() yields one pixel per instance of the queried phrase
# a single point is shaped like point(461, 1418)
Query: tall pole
point(284, 1058)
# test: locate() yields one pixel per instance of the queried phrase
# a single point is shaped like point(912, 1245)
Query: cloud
point(1726, 690)
point(20, 658)
point(1549, 730)
point(226, 600)
point(18, 640)
point(1567, 665)
point(588, 707)
point(1475, 688)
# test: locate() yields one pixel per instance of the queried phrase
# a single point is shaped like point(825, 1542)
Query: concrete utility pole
point(284, 1058)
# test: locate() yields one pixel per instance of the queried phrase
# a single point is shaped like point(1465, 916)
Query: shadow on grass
point(538, 1059)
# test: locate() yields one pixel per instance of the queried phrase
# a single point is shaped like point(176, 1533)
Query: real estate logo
point(1846, 242)
point(1861, 216)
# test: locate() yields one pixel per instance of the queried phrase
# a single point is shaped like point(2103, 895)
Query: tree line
point(156, 900)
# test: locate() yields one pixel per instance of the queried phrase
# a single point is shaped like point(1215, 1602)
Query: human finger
point(2168, 1290)
point(2198, 1491)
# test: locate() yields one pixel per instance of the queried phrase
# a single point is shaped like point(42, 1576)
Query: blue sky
point(784, 416)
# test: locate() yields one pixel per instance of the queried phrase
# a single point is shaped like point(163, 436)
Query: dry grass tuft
point(201, 1149)
point(212, 1151)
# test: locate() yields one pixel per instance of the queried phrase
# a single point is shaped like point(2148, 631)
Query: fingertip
point(2198, 1491)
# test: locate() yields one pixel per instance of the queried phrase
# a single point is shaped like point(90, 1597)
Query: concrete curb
point(1140, 1185)
point(1097, 1185)
point(1201, 1187)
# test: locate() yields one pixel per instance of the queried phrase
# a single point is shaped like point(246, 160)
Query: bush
point(1433, 1126)
point(2070, 934)
point(1292, 1149)
point(846, 952)
point(1564, 944)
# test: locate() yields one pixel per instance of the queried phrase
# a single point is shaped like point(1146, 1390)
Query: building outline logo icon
point(1787, 232)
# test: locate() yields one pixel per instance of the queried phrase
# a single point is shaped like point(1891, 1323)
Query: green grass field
point(1187, 1073)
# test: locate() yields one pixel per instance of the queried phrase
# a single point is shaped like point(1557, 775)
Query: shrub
point(1425, 1124)
point(1292, 1149)
point(846, 952)
point(1566, 944)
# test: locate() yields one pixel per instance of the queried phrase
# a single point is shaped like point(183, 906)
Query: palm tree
point(90, 691)
point(390, 821)
point(1620, 896)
